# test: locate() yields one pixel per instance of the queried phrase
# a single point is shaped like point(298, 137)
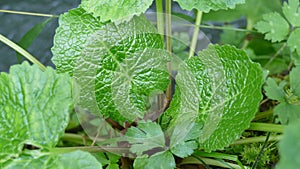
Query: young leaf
point(291, 12)
point(75, 27)
point(207, 5)
point(184, 149)
point(126, 65)
point(273, 91)
point(34, 107)
point(294, 41)
point(146, 136)
point(115, 10)
point(289, 147)
point(225, 77)
point(163, 160)
point(287, 112)
point(295, 81)
point(274, 26)
point(74, 160)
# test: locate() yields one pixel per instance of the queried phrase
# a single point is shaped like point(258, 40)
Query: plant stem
point(264, 114)
point(22, 51)
point(160, 18)
point(256, 139)
point(249, 28)
point(28, 13)
point(195, 34)
point(275, 55)
point(266, 127)
point(91, 149)
point(169, 46)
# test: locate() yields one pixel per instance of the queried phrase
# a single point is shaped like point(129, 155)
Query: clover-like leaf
point(287, 112)
point(34, 107)
point(289, 147)
point(74, 160)
point(115, 10)
point(126, 65)
point(294, 41)
point(274, 91)
point(295, 81)
point(207, 5)
point(144, 137)
point(161, 160)
point(291, 12)
point(274, 26)
point(75, 27)
point(225, 77)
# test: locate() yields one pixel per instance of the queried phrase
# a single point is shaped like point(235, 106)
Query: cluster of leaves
point(110, 61)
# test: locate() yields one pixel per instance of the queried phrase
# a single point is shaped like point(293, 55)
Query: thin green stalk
point(266, 127)
point(249, 28)
point(22, 51)
point(195, 34)
point(160, 17)
point(27, 13)
point(169, 45)
point(91, 149)
point(256, 139)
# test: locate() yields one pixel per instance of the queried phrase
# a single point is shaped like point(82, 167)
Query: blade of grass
point(28, 13)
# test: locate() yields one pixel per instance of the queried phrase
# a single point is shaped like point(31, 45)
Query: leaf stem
point(169, 46)
point(28, 13)
point(256, 139)
point(22, 51)
point(160, 17)
point(275, 55)
point(195, 33)
point(249, 28)
point(266, 127)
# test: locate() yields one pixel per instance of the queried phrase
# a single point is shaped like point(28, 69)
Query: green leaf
point(126, 65)
point(34, 107)
point(207, 5)
point(112, 166)
point(289, 147)
point(287, 113)
point(274, 91)
point(232, 37)
point(115, 10)
point(184, 149)
point(146, 136)
point(225, 77)
point(295, 81)
point(31, 35)
point(75, 27)
point(291, 12)
point(74, 160)
point(252, 10)
point(161, 160)
point(294, 41)
point(274, 26)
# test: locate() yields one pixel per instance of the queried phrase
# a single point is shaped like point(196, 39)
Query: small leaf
point(291, 12)
point(34, 107)
point(289, 147)
point(295, 81)
point(75, 27)
point(161, 160)
point(294, 41)
point(113, 166)
point(184, 149)
point(274, 91)
point(146, 136)
point(207, 5)
point(74, 160)
point(115, 10)
point(274, 26)
point(287, 113)
point(31, 35)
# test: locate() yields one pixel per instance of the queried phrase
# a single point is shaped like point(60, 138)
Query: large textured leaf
point(115, 10)
point(289, 147)
point(74, 29)
point(226, 78)
point(34, 107)
point(126, 64)
point(274, 26)
point(207, 5)
point(73, 160)
point(162, 160)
